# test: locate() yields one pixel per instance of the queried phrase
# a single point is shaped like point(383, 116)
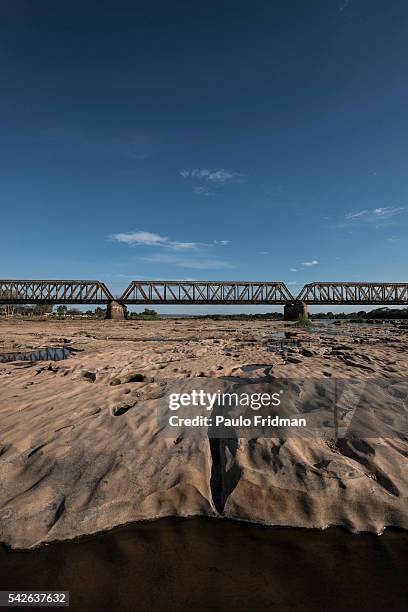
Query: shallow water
point(279, 334)
point(212, 564)
point(253, 367)
point(348, 328)
point(43, 354)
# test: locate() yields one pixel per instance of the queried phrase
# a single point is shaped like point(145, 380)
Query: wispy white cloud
point(215, 177)
point(357, 215)
point(187, 262)
point(308, 264)
point(150, 239)
point(203, 190)
point(293, 270)
point(138, 238)
point(183, 245)
point(388, 212)
point(143, 238)
point(374, 215)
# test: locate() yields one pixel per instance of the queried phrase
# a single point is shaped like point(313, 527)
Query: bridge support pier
point(116, 311)
point(293, 310)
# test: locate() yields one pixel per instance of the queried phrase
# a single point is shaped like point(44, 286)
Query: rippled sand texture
point(80, 449)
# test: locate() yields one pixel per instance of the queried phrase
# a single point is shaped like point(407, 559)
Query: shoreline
point(215, 517)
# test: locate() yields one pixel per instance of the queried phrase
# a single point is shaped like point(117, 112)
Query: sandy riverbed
point(69, 466)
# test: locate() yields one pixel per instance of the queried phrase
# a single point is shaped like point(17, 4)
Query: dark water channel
point(204, 564)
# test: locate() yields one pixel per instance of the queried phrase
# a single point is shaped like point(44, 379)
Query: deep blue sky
point(263, 140)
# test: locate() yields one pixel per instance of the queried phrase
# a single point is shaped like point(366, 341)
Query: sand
point(69, 466)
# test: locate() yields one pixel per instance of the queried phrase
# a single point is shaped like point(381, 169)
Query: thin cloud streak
point(203, 190)
point(145, 238)
point(374, 215)
point(216, 177)
point(142, 238)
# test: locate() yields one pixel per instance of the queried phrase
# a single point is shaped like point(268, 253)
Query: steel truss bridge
point(54, 292)
point(209, 292)
point(197, 292)
point(354, 293)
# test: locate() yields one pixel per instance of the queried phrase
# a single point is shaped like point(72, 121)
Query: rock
point(355, 364)
point(307, 352)
point(89, 376)
point(291, 359)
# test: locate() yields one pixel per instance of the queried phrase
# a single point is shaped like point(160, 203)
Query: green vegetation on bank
point(303, 321)
point(146, 315)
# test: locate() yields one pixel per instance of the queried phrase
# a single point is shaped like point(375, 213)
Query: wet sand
point(209, 564)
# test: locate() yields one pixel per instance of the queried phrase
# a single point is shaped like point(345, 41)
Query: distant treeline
point(377, 313)
point(62, 311)
point(41, 310)
point(362, 315)
point(149, 314)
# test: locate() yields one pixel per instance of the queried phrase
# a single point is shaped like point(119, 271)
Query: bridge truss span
point(202, 292)
point(354, 293)
point(54, 292)
point(208, 292)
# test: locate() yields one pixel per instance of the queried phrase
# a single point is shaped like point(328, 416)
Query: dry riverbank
point(69, 466)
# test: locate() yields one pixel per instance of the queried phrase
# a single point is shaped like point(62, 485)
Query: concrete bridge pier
point(116, 311)
point(293, 310)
